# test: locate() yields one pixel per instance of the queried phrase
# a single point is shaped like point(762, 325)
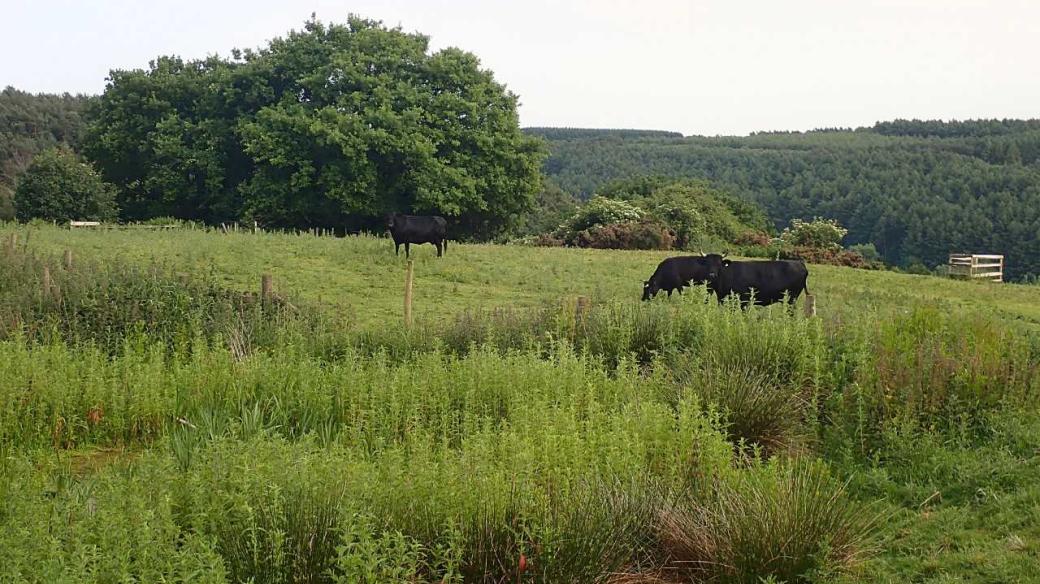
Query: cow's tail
point(805, 285)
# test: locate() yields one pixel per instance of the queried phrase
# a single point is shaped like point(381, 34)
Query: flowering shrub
point(818, 233)
point(600, 211)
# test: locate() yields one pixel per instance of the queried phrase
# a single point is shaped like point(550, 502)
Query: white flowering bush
point(819, 233)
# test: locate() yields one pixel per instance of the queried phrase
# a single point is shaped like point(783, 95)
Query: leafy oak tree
point(58, 186)
point(330, 126)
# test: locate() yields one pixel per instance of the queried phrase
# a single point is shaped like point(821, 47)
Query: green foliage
point(105, 305)
point(657, 213)
point(692, 209)
point(600, 444)
point(58, 186)
point(818, 233)
point(332, 125)
point(29, 124)
point(552, 207)
point(867, 250)
point(600, 211)
point(796, 523)
point(584, 133)
point(913, 189)
point(756, 410)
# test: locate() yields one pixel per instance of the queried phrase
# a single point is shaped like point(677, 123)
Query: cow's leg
point(407, 249)
point(397, 248)
point(438, 244)
point(669, 292)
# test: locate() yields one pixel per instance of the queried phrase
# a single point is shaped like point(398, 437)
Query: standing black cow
point(677, 273)
point(409, 229)
point(765, 281)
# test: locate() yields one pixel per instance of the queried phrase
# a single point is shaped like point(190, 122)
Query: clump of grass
point(106, 304)
point(790, 521)
point(928, 370)
point(755, 409)
point(287, 536)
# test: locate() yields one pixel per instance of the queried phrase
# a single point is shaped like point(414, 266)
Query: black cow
point(409, 229)
point(677, 273)
point(766, 281)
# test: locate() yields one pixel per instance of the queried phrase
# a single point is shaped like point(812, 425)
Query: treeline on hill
point(29, 124)
point(917, 190)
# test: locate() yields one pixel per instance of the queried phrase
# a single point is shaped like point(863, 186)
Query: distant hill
point(916, 189)
point(587, 133)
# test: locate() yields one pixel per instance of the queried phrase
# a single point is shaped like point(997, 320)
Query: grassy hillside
point(362, 278)
point(155, 424)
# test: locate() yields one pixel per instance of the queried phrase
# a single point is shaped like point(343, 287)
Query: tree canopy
point(333, 125)
point(58, 186)
point(29, 124)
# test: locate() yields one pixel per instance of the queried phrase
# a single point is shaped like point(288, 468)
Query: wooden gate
point(972, 266)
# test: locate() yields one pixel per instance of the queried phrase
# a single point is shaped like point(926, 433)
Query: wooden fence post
point(68, 259)
point(12, 243)
point(408, 295)
point(810, 305)
point(45, 285)
point(581, 309)
point(266, 287)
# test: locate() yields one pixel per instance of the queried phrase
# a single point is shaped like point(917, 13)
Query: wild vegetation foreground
point(158, 421)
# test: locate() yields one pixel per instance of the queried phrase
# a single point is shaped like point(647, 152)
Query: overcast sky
point(697, 67)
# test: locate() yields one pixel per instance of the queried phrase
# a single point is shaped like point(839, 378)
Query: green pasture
point(362, 279)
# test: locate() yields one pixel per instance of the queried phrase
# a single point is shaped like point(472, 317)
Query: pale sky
point(697, 67)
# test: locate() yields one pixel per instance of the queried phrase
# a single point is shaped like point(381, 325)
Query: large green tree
point(58, 186)
point(331, 125)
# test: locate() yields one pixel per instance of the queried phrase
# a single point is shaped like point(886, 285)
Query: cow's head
point(713, 264)
point(390, 219)
point(650, 288)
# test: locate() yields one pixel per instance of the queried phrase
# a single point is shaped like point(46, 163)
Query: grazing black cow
point(677, 273)
point(409, 229)
point(765, 281)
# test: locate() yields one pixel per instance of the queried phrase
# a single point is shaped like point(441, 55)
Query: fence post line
point(45, 284)
point(810, 305)
point(266, 287)
point(68, 259)
point(408, 295)
point(581, 308)
point(12, 243)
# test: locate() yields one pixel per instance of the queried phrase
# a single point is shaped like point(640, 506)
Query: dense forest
point(29, 124)
point(915, 189)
